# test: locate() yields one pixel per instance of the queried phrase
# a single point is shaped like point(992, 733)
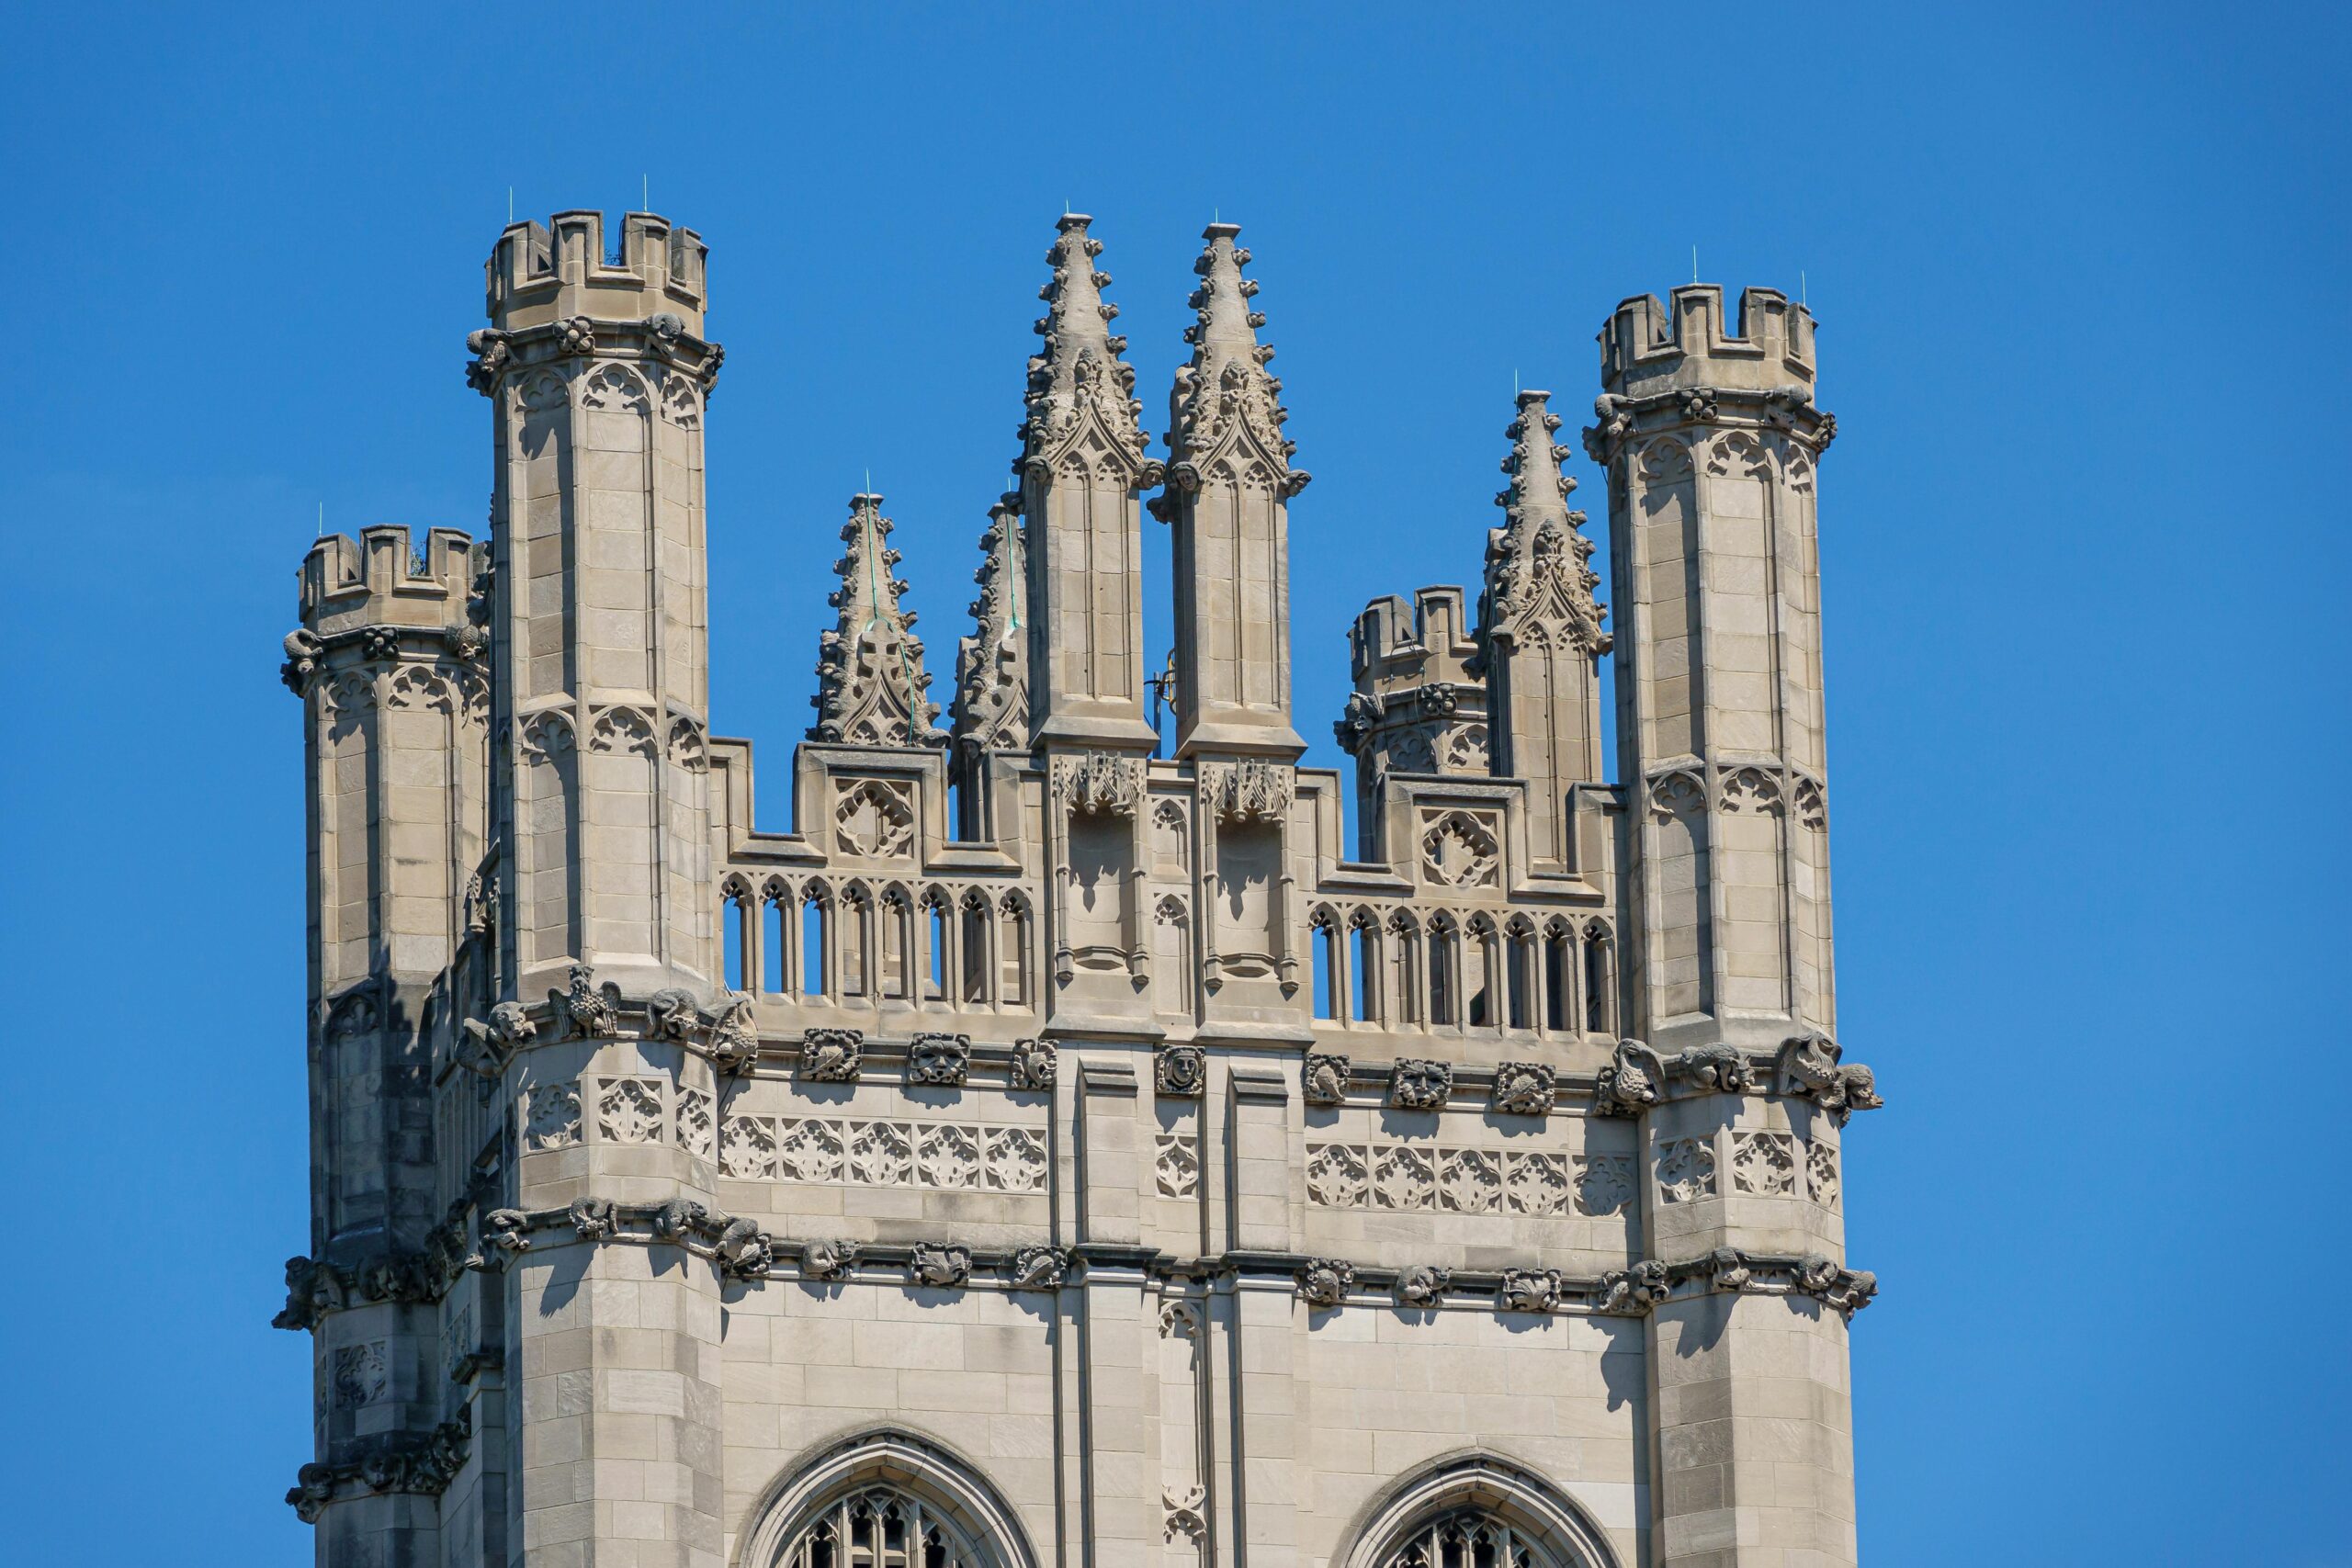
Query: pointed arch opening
point(886, 1499)
point(1472, 1510)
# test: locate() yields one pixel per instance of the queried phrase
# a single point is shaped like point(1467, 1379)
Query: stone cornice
point(1789, 409)
point(307, 652)
point(661, 339)
point(744, 1253)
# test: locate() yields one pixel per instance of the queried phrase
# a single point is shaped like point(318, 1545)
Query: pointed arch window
point(881, 1528)
point(886, 1499)
point(1469, 1537)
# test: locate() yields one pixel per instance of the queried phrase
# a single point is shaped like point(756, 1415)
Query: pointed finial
point(869, 668)
point(1226, 376)
point(1536, 562)
point(1078, 372)
point(991, 706)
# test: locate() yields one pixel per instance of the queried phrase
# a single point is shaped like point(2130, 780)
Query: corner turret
point(1418, 705)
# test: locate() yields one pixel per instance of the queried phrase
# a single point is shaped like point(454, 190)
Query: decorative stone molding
point(1324, 1282)
point(1037, 1269)
point(940, 1266)
point(1099, 783)
point(1181, 1071)
point(1176, 1165)
point(422, 1463)
point(1418, 1085)
point(1787, 411)
point(1523, 1088)
point(1809, 1067)
point(316, 1287)
point(833, 1055)
point(1034, 1064)
point(940, 1061)
point(1418, 1178)
point(1251, 790)
point(938, 1157)
point(1323, 1080)
point(1631, 1082)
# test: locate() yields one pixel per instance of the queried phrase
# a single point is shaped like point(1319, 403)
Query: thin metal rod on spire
point(1694, 263)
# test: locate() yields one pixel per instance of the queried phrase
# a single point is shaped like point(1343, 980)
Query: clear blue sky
point(2082, 282)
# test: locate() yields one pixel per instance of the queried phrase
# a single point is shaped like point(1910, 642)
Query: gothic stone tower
point(1036, 1151)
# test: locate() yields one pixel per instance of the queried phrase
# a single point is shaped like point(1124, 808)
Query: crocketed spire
point(1224, 396)
point(991, 709)
point(869, 669)
point(1537, 561)
point(1079, 383)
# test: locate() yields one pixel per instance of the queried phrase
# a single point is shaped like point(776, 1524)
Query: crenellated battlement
point(1648, 347)
point(379, 579)
point(1393, 644)
point(539, 274)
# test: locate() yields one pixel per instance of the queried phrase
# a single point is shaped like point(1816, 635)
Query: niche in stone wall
point(1101, 854)
point(1249, 861)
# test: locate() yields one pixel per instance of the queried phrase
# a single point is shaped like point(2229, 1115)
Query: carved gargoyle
point(1324, 1282)
point(679, 1220)
point(1630, 1084)
point(1415, 1085)
point(303, 651)
point(939, 1060)
point(742, 1251)
point(1809, 1067)
point(1422, 1284)
point(1730, 1269)
point(1038, 1268)
point(594, 1219)
point(1715, 1069)
point(489, 1043)
point(826, 1259)
point(1631, 1293)
point(1846, 1290)
point(1035, 1063)
point(313, 1288)
point(1523, 1088)
point(1530, 1290)
point(507, 1230)
point(833, 1055)
point(592, 1013)
point(734, 1034)
point(1324, 1080)
point(941, 1266)
point(673, 1014)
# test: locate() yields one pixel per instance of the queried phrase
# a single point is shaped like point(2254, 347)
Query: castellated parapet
point(1034, 1149)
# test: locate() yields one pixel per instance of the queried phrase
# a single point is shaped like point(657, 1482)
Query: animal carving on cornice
point(1098, 782)
point(1523, 1088)
point(1631, 1293)
point(492, 352)
point(488, 1044)
point(1358, 721)
point(940, 1266)
point(742, 1251)
point(1037, 1269)
point(303, 653)
point(1715, 1070)
point(1632, 1081)
point(422, 1463)
point(1846, 1290)
point(1809, 1065)
point(1324, 1282)
point(591, 1013)
point(833, 1055)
